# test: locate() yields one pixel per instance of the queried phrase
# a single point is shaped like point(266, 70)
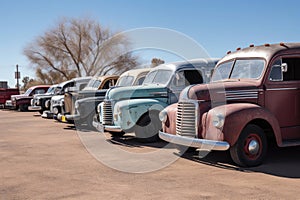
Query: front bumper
point(202, 144)
point(72, 117)
point(35, 108)
point(100, 127)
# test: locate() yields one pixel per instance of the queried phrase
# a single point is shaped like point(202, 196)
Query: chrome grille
point(186, 119)
point(107, 113)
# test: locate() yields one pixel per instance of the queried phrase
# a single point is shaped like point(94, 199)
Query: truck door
point(282, 96)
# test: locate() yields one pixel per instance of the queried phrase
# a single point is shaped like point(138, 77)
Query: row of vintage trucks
point(240, 103)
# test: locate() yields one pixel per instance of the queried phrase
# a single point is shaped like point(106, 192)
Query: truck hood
point(224, 91)
point(137, 92)
point(20, 96)
point(42, 96)
point(91, 93)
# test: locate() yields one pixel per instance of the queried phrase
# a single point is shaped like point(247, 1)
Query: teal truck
point(136, 108)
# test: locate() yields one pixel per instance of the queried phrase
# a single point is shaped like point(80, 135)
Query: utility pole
point(17, 76)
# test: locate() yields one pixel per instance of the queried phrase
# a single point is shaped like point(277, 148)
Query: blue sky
point(218, 26)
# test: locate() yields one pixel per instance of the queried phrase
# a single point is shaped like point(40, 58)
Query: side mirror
point(284, 67)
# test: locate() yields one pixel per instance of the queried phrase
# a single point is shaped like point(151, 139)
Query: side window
point(108, 84)
point(188, 77)
point(276, 71)
point(293, 69)
point(39, 91)
point(141, 80)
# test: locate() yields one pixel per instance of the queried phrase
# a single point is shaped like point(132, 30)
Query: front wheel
point(147, 128)
point(93, 117)
point(24, 107)
point(251, 147)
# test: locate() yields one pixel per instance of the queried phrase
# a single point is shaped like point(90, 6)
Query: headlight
point(163, 116)
point(32, 102)
point(76, 105)
point(218, 120)
point(38, 102)
point(117, 113)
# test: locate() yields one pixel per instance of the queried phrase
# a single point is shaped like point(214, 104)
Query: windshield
point(51, 90)
point(125, 81)
point(57, 90)
point(28, 92)
point(93, 84)
point(240, 69)
point(158, 77)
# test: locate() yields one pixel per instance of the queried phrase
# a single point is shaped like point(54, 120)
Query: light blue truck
point(136, 108)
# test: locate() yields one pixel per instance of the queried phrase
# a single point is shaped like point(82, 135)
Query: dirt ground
point(44, 159)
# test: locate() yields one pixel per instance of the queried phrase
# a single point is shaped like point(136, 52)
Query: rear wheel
point(23, 107)
point(147, 127)
point(251, 147)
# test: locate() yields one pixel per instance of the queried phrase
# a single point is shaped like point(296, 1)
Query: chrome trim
point(187, 118)
point(195, 142)
point(113, 128)
point(279, 89)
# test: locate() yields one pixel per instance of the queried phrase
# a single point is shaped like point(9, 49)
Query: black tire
point(241, 153)
point(24, 107)
point(147, 127)
point(117, 134)
point(93, 117)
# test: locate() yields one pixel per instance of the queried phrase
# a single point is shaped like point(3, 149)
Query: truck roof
point(200, 62)
point(266, 51)
point(135, 72)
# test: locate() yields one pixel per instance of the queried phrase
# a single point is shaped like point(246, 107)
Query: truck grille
point(107, 113)
point(186, 119)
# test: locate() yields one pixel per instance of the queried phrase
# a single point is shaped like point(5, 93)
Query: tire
point(116, 134)
point(24, 107)
point(241, 153)
point(90, 119)
point(147, 127)
point(41, 112)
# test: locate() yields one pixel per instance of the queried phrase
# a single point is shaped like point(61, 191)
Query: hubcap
point(253, 147)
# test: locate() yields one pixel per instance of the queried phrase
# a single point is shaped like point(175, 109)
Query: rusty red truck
point(6, 93)
point(253, 97)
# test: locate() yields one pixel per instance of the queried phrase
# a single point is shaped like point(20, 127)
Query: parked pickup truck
point(97, 86)
point(41, 102)
point(22, 101)
point(5, 94)
point(261, 88)
point(135, 109)
point(86, 108)
point(57, 101)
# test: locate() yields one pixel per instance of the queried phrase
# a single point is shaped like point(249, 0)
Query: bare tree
point(156, 61)
point(78, 47)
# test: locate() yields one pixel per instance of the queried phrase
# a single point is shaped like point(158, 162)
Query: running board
point(290, 143)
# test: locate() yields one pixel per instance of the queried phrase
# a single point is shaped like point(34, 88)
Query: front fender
point(237, 116)
point(128, 112)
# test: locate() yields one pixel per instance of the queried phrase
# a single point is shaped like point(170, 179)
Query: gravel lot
point(44, 159)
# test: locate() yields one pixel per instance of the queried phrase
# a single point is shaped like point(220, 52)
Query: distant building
point(3, 84)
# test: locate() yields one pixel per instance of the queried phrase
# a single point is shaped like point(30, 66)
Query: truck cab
point(135, 109)
point(86, 108)
point(254, 95)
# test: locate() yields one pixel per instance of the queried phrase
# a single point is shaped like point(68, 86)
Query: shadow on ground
point(282, 162)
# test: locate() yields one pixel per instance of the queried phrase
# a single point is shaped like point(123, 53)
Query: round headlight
point(99, 108)
point(163, 116)
point(218, 120)
point(55, 110)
